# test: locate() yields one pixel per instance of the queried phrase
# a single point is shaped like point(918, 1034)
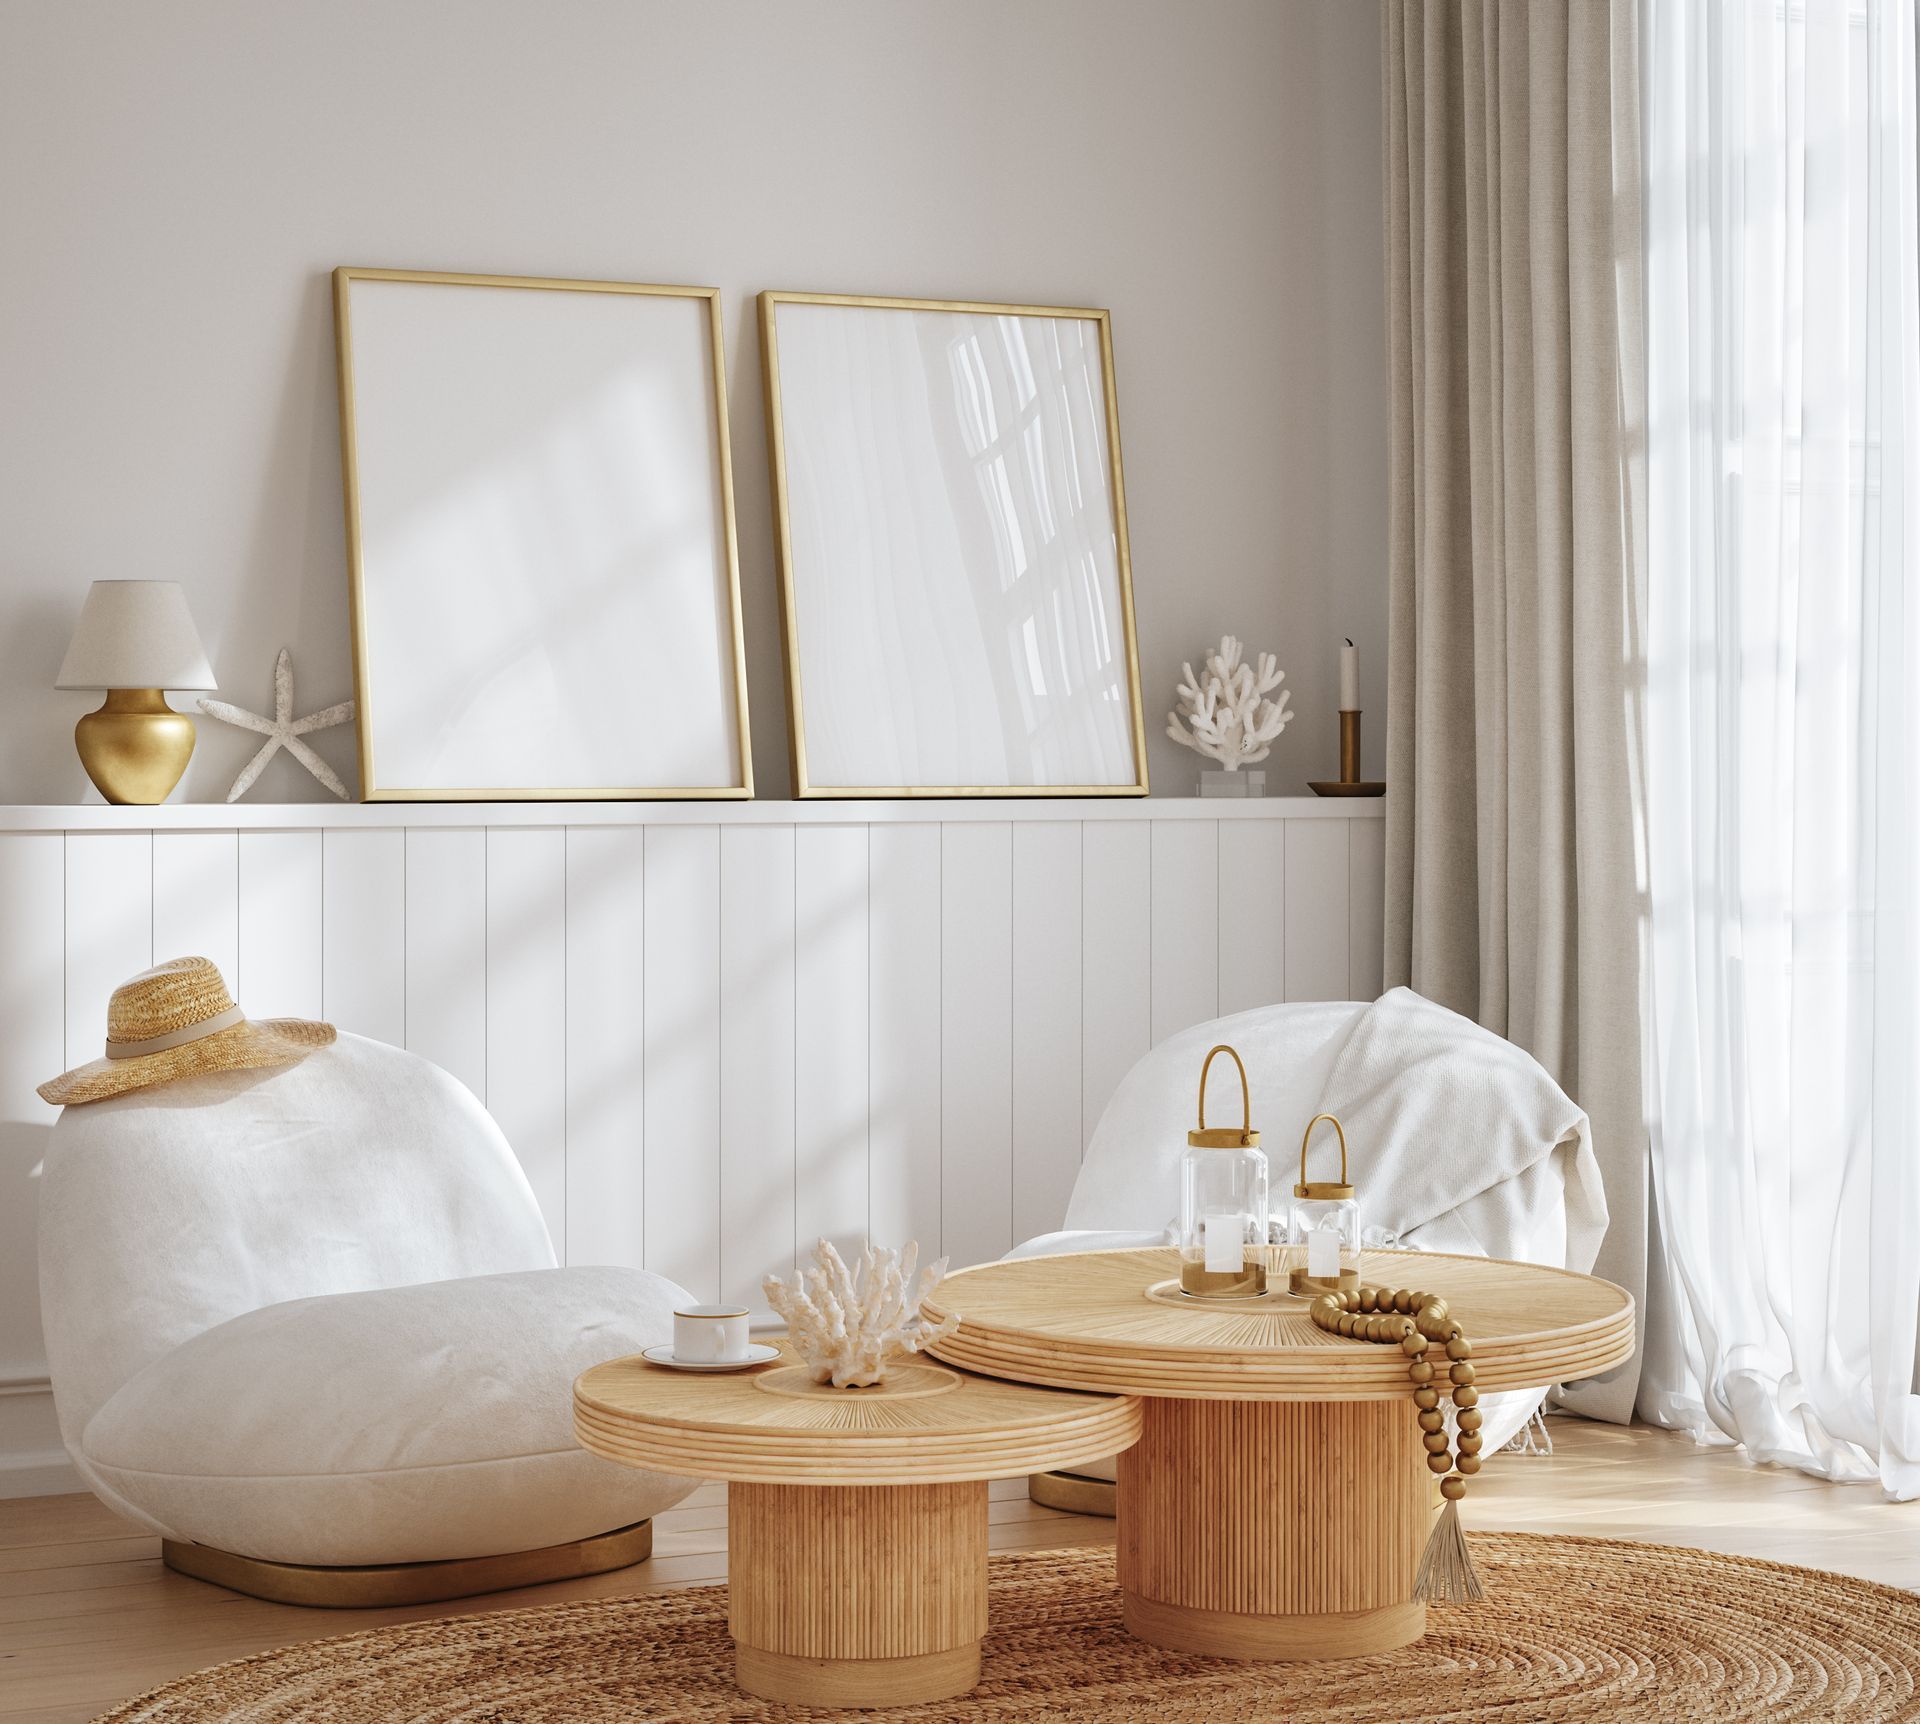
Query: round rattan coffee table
point(1278, 1500)
point(856, 1518)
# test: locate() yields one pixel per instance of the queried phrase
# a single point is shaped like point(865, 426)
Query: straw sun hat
point(173, 1021)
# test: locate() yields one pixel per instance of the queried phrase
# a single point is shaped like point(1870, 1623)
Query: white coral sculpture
point(1228, 715)
point(846, 1324)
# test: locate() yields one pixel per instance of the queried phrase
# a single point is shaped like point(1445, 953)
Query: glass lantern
point(1223, 1203)
point(1323, 1226)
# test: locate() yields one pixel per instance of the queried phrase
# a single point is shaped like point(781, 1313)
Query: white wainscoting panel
point(758, 1171)
point(1047, 984)
point(33, 1048)
point(1185, 920)
point(1253, 915)
point(904, 1096)
point(680, 1073)
point(109, 918)
point(712, 1033)
point(832, 1195)
point(196, 897)
point(976, 1041)
point(281, 902)
point(1319, 930)
point(446, 950)
point(606, 1045)
point(527, 1008)
point(1366, 901)
point(1116, 957)
point(363, 932)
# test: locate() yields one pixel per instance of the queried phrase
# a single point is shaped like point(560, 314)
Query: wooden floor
point(88, 1616)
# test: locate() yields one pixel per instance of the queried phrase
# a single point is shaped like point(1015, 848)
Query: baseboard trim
point(33, 1461)
point(42, 1473)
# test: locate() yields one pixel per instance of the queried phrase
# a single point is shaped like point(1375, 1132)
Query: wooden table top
point(1107, 1320)
point(769, 1424)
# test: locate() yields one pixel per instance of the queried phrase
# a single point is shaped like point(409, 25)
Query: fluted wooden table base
point(1274, 1529)
point(857, 1595)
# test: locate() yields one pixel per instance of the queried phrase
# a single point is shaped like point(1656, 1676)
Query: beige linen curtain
point(1514, 319)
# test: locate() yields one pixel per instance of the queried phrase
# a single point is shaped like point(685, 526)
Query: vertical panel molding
point(710, 1034)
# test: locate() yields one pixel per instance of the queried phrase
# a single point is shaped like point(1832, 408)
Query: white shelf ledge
point(308, 816)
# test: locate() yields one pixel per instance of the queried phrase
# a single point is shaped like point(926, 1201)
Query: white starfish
point(282, 730)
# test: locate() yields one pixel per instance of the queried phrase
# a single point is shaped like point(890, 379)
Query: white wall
point(177, 178)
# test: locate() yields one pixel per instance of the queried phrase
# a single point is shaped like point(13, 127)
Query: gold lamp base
point(135, 747)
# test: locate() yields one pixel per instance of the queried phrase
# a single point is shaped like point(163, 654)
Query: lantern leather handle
point(1246, 1095)
point(1317, 1118)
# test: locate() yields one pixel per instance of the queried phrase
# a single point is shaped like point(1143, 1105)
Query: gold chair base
point(1073, 1493)
point(382, 1585)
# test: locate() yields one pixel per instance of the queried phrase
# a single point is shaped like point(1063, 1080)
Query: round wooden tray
point(771, 1425)
point(1087, 1321)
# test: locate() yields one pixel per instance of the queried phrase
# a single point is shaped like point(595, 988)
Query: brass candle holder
point(1349, 783)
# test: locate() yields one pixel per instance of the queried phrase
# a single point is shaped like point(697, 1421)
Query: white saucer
point(758, 1353)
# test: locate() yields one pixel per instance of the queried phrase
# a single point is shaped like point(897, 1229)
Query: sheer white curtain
point(1783, 643)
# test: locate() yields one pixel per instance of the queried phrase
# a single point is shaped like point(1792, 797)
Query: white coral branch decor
point(1229, 717)
point(847, 1324)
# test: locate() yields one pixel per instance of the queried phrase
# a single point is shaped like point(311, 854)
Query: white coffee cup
point(710, 1334)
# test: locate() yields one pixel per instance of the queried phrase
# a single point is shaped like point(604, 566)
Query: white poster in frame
point(952, 528)
point(540, 534)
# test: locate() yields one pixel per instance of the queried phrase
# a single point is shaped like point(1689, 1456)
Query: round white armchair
point(1460, 1142)
point(309, 1318)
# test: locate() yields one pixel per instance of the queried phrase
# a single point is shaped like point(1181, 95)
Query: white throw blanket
point(1459, 1140)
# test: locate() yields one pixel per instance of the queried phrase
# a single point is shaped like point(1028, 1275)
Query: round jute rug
point(1572, 1628)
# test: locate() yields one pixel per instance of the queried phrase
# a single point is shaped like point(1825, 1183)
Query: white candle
point(1349, 678)
point(1225, 1235)
point(1323, 1253)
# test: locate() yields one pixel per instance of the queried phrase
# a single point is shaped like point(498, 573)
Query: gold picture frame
point(729, 643)
point(804, 783)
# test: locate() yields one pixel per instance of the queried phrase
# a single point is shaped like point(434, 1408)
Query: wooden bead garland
point(1418, 1323)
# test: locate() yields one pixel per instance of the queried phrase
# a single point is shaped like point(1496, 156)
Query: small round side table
point(856, 1518)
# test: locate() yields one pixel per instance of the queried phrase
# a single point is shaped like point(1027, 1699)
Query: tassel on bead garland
point(1413, 1321)
point(1447, 1574)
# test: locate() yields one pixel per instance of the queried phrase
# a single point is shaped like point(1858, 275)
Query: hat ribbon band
point(177, 1038)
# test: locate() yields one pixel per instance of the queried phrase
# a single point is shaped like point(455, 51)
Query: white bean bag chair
point(1458, 1140)
point(310, 1314)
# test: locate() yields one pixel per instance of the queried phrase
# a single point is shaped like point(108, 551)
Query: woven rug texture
point(1572, 1628)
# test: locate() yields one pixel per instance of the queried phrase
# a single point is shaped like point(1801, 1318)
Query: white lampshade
point(135, 634)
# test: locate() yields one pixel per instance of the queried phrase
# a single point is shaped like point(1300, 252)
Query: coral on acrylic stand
point(1228, 715)
point(846, 1324)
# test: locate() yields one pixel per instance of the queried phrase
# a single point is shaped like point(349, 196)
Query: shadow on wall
point(294, 587)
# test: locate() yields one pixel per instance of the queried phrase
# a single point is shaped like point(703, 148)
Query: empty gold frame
point(542, 565)
point(956, 593)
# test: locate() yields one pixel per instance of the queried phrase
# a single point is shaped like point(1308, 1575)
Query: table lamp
point(135, 639)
